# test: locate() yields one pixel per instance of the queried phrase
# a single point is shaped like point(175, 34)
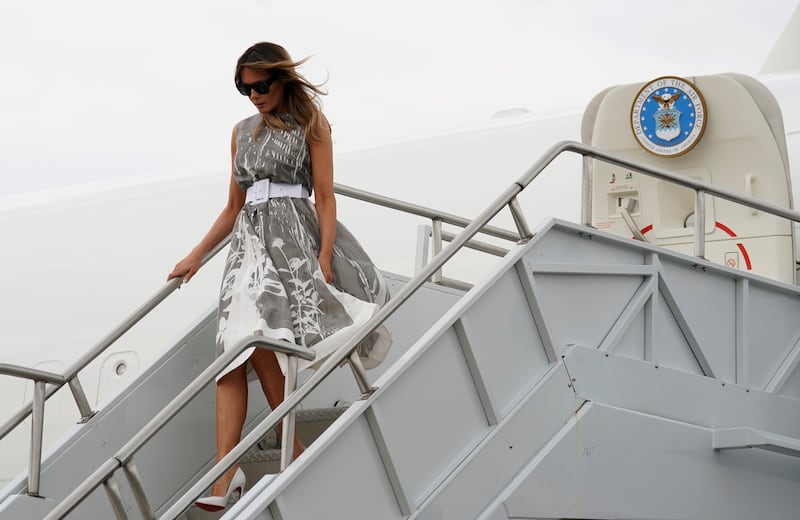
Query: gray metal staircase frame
point(507, 198)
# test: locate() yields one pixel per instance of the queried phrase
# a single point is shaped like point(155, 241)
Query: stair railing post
point(436, 238)
point(37, 430)
point(423, 247)
point(700, 223)
point(360, 374)
point(287, 437)
point(115, 497)
point(84, 407)
point(519, 219)
point(138, 490)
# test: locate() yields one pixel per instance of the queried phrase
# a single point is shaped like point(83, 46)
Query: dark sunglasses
point(262, 87)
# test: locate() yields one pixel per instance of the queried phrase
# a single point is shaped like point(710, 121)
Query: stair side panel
point(634, 465)
point(522, 436)
point(347, 479)
point(666, 392)
point(773, 329)
point(431, 416)
point(706, 299)
point(406, 325)
point(503, 339)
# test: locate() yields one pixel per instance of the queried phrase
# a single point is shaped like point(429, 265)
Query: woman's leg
point(231, 412)
point(272, 382)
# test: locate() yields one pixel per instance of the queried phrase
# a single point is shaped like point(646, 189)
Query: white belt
point(264, 189)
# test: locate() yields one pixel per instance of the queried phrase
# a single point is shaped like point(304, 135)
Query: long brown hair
point(301, 97)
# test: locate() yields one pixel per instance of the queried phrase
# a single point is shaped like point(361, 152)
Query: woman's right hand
point(219, 230)
point(186, 267)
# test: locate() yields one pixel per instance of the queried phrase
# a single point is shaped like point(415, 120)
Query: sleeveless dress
point(272, 283)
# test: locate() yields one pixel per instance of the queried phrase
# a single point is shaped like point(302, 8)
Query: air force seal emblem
point(668, 116)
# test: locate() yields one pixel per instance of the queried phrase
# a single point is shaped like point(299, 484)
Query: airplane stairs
point(587, 376)
point(590, 376)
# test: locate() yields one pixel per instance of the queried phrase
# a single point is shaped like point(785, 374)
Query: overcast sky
point(93, 89)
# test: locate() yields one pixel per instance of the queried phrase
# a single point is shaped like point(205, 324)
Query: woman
point(293, 272)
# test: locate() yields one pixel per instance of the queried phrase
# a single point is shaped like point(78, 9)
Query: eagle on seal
point(666, 101)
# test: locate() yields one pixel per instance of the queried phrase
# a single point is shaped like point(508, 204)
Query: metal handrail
point(100, 347)
point(42, 393)
point(33, 374)
point(420, 211)
point(40, 378)
point(700, 188)
point(437, 219)
point(477, 245)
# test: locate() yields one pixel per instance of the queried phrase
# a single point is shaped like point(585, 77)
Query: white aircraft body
point(77, 261)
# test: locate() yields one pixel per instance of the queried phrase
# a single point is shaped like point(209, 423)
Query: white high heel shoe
point(234, 492)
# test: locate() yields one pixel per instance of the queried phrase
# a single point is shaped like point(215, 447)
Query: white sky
point(94, 90)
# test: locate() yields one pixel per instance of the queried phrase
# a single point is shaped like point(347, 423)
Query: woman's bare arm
point(219, 229)
point(321, 150)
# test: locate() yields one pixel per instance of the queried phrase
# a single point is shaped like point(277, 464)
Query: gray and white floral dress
point(272, 284)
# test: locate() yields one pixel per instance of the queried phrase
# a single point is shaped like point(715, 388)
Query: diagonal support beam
point(634, 307)
point(786, 369)
point(683, 324)
point(524, 271)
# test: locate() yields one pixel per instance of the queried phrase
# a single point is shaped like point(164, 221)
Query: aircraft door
point(724, 130)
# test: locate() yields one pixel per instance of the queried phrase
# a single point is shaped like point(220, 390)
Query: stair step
point(254, 456)
point(309, 424)
point(265, 457)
